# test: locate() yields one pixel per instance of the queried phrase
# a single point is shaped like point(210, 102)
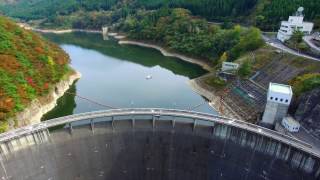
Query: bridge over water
point(153, 144)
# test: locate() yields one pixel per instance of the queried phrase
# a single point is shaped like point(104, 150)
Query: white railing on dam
point(155, 115)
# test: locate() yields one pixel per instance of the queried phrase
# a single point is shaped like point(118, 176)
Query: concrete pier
point(153, 144)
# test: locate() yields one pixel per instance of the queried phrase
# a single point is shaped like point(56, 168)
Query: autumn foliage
point(306, 82)
point(29, 66)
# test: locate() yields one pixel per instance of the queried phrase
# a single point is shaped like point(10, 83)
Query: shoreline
point(56, 31)
point(164, 52)
point(120, 38)
point(33, 113)
point(214, 99)
point(64, 31)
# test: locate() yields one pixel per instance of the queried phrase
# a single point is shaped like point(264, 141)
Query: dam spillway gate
point(155, 144)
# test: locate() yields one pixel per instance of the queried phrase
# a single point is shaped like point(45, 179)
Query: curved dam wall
point(142, 148)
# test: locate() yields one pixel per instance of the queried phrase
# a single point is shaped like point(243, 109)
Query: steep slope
point(30, 66)
point(211, 9)
point(39, 9)
point(265, 13)
point(308, 111)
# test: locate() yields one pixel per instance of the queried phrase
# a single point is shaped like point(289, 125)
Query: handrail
point(4, 137)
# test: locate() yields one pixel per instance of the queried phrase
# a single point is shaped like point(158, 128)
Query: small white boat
point(252, 96)
point(148, 77)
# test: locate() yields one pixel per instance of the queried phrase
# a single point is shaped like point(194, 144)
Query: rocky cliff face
point(308, 111)
point(33, 113)
point(31, 67)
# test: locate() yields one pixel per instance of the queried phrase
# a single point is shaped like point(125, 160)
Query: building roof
point(304, 22)
point(280, 88)
point(310, 23)
point(291, 122)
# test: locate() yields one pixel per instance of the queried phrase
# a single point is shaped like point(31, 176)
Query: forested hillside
point(34, 9)
point(264, 13)
point(178, 30)
point(29, 67)
point(273, 11)
point(210, 9)
point(39, 9)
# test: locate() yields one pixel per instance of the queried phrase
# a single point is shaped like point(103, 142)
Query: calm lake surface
point(115, 75)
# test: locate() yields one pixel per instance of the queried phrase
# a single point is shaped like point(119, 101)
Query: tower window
point(276, 99)
point(287, 100)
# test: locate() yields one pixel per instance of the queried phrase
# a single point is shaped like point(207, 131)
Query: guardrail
point(156, 112)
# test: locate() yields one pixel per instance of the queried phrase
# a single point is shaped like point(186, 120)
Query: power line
point(112, 107)
point(198, 105)
point(92, 101)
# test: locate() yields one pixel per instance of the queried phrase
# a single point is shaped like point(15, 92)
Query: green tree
point(250, 40)
point(305, 83)
point(222, 59)
point(303, 46)
point(297, 37)
point(245, 69)
point(317, 22)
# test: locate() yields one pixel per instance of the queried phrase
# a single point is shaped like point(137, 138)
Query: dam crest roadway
point(153, 144)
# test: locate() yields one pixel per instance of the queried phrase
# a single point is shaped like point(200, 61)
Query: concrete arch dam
point(152, 144)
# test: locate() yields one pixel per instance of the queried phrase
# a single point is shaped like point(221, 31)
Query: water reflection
point(115, 75)
point(139, 55)
point(65, 105)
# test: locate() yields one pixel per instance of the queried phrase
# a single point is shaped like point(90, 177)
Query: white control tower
point(279, 99)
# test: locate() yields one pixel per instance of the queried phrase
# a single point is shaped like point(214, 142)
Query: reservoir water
point(124, 76)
